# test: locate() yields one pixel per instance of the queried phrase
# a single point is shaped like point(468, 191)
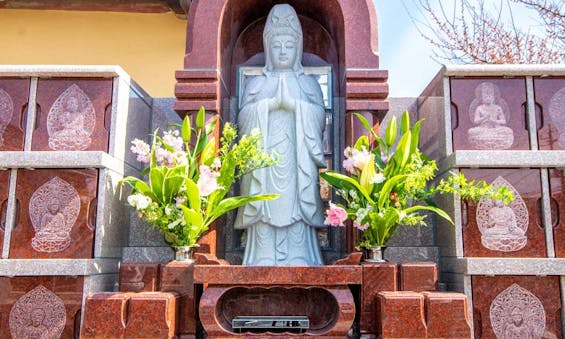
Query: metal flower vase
point(375, 254)
point(184, 254)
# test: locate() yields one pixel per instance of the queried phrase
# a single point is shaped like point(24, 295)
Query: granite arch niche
point(223, 35)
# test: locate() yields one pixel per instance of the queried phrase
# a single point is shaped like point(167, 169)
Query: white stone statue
point(489, 113)
point(287, 106)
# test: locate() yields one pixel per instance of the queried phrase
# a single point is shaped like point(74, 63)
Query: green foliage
point(189, 177)
point(389, 182)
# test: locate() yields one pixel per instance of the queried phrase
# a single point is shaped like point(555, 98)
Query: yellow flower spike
point(367, 173)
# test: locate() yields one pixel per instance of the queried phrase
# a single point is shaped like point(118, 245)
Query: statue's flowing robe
point(282, 231)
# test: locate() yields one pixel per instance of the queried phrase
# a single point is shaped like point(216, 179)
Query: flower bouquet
point(187, 183)
point(388, 183)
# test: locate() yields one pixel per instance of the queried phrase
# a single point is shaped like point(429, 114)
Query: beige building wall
point(150, 47)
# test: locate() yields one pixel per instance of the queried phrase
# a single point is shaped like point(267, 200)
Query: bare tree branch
point(474, 35)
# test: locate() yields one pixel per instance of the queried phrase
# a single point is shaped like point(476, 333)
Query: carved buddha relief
point(517, 313)
point(6, 112)
point(38, 314)
point(503, 228)
point(71, 121)
point(489, 114)
point(557, 115)
point(53, 210)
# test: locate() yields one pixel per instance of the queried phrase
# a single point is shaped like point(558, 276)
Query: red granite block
point(152, 315)
point(72, 114)
point(178, 277)
point(549, 93)
point(105, 315)
point(331, 310)
point(506, 305)
point(57, 214)
point(376, 278)
point(139, 277)
point(34, 307)
point(14, 96)
point(527, 238)
point(507, 97)
point(401, 315)
point(447, 315)
point(418, 276)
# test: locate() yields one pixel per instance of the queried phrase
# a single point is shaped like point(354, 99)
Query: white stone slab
point(503, 159)
point(504, 266)
point(44, 267)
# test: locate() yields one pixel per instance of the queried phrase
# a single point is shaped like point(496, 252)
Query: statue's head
point(282, 39)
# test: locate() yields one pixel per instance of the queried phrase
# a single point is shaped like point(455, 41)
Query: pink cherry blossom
point(335, 215)
point(207, 182)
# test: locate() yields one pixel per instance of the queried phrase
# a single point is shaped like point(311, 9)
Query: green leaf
point(403, 149)
point(229, 204)
point(391, 131)
point(209, 152)
point(415, 137)
point(436, 210)
point(387, 189)
point(367, 173)
point(200, 117)
point(192, 194)
point(342, 179)
point(171, 187)
point(191, 217)
point(405, 122)
point(186, 129)
point(366, 124)
point(156, 182)
point(363, 141)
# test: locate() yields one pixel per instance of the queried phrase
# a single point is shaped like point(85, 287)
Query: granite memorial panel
point(72, 115)
point(489, 114)
point(14, 96)
point(492, 229)
point(550, 112)
point(56, 214)
point(516, 307)
point(40, 307)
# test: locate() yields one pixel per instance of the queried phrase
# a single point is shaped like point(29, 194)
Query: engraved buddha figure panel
point(38, 314)
point(56, 214)
point(14, 95)
point(73, 115)
point(489, 114)
point(492, 229)
point(508, 307)
point(550, 112)
point(4, 187)
point(503, 228)
point(517, 313)
point(53, 210)
point(40, 307)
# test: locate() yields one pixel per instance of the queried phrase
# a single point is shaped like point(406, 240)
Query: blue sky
point(405, 54)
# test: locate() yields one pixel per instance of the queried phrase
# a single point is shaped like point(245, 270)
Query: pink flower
point(172, 139)
point(360, 158)
point(164, 157)
point(360, 227)
point(207, 182)
point(335, 215)
point(142, 149)
point(348, 165)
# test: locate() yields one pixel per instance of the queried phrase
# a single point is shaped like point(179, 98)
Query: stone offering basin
point(320, 292)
